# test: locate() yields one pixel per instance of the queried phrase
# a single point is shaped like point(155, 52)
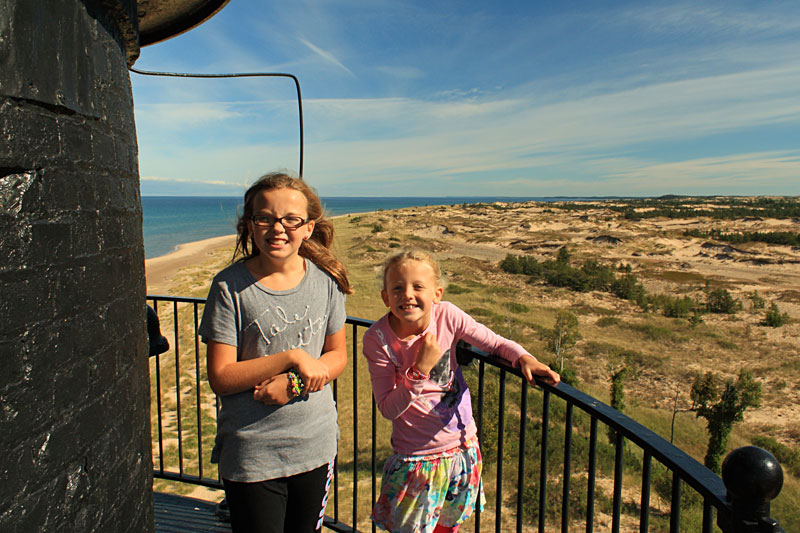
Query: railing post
point(753, 478)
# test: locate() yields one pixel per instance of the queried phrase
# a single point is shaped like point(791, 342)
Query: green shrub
point(516, 307)
point(376, 228)
point(721, 301)
point(678, 307)
point(514, 264)
point(602, 276)
point(452, 288)
point(774, 318)
point(757, 300)
point(628, 288)
point(654, 332)
point(511, 264)
point(563, 255)
point(607, 321)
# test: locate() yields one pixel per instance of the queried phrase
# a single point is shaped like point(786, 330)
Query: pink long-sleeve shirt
point(433, 415)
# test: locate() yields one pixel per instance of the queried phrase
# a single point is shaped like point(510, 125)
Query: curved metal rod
point(241, 75)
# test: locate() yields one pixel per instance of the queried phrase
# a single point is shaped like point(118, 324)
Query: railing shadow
point(550, 461)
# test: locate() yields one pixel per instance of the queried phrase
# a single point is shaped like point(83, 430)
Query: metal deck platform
point(180, 514)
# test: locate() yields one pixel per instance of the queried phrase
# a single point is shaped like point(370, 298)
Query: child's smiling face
point(274, 241)
point(410, 290)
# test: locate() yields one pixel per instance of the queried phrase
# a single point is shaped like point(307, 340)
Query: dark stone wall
point(74, 383)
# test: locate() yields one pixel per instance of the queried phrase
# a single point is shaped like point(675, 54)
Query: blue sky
point(510, 98)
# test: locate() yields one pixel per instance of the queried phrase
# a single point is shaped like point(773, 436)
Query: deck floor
point(179, 514)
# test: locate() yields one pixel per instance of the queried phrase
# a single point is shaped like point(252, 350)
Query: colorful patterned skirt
point(420, 491)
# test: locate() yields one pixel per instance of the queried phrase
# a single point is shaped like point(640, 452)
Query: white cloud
point(176, 116)
point(187, 180)
point(721, 20)
point(748, 169)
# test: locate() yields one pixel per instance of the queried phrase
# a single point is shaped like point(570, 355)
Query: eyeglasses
point(288, 222)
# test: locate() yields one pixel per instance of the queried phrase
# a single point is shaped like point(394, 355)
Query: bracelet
point(415, 375)
point(296, 385)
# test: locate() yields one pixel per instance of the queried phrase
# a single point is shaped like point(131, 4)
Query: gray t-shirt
point(256, 442)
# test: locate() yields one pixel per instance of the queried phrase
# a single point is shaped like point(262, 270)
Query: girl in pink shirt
point(432, 482)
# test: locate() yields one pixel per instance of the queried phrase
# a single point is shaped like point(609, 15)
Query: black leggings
point(294, 504)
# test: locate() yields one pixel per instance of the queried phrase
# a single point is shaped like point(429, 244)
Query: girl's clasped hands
point(277, 390)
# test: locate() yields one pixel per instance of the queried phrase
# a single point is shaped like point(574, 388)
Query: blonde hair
point(317, 248)
point(414, 254)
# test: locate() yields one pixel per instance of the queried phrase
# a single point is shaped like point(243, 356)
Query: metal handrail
point(684, 468)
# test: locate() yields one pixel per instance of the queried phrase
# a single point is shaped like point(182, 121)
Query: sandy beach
point(161, 271)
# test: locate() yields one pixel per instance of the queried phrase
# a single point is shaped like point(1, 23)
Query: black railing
point(576, 461)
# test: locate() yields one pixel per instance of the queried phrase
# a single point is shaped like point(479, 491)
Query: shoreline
point(159, 270)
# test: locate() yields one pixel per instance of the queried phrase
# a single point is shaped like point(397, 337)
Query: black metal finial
point(753, 478)
point(158, 343)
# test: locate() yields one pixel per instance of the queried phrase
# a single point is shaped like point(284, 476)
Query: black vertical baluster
point(615, 517)
point(481, 399)
point(708, 517)
point(567, 468)
point(501, 420)
point(197, 391)
point(178, 386)
point(374, 465)
point(675, 511)
point(158, 406)
point(355, 436)
point(523, 418)
point(543, 460)
point(644, 514)
point(591, 476)
point(374, 439)
point(216, 417)
point(336, 463)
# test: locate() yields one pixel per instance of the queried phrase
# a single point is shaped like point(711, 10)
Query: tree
point(722, 405)
point(511, 264)
point(565, 334)
point(621, 368)
point(721, 301)
point(618, 388)
point(628, 287)
point(757, 300)
point(563, 255)
point(774, 318)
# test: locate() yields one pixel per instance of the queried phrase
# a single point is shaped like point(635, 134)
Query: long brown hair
point(317, 248)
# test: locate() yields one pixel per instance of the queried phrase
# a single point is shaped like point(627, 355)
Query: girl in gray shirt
point(274, 329)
